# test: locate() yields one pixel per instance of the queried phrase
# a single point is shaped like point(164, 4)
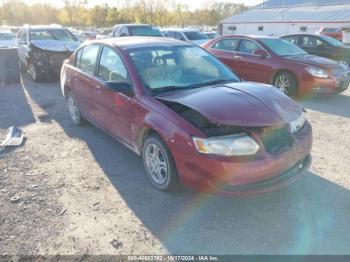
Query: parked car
point(135, 30)
point(210, 34)
point(42, 49)
point(322, 45)
point(331, 32)
point(276, 61)
point(188, 35)
point(7, 38)
point(88, 35)
point(188, 116)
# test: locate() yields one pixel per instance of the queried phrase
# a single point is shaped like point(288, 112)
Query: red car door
point(114, 108)
point(255, 62)
point(224, 50)
point(83, 83)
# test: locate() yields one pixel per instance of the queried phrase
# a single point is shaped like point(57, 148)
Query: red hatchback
point(275, 61)
point(189, 117)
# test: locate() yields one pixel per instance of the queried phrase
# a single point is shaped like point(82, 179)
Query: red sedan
point(275, 61)
point(189, 117)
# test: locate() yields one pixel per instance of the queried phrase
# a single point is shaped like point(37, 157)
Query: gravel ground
point(81, 192)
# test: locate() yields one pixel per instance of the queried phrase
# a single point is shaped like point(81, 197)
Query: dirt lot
point(83, 193)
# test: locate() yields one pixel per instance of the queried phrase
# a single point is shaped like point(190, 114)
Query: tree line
point(78, 13)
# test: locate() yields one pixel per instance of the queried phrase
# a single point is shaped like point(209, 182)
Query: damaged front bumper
point(234, 176)
point(48, 62)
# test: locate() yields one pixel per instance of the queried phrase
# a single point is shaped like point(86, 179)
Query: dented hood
point(241, 104)
point(56, 45)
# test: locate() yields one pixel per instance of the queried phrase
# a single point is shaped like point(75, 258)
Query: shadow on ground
point(338, 105)
point(12, 101)
point(309, 217)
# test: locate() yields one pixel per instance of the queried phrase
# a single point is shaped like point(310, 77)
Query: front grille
point(276, 140)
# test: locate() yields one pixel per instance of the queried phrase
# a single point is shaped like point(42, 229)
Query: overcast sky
point(193, 4)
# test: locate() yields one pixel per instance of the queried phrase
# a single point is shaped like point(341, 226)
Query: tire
point(74, 111)
point(34, 73)
point(160, 167)
point(286, 83)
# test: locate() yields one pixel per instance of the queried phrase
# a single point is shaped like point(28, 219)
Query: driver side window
point(111, 66)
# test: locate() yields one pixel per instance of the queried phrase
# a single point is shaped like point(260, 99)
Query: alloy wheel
point(282, 83)
point(156, 163)
point(73, 109)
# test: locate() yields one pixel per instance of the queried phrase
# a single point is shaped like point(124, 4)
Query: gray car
point(42, 49)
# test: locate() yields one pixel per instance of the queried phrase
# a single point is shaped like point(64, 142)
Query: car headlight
point(297, 124)
point(316, 71)
point(233, 145)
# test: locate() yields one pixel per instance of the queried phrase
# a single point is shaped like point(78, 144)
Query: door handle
point(238, 57)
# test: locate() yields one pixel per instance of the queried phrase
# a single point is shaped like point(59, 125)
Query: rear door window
point(292, 39)
point(310, 41)
point(226, 44)
point(89, 59)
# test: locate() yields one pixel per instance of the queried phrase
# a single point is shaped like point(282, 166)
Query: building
point(280, 17)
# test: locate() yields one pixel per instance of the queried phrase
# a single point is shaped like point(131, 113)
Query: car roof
point(44, 26)
point(300, 34)
point(133, 25)
point(130, 42)
point(256, 37)
point(182, 30)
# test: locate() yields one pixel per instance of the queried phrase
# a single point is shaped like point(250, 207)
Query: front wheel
point(286, 83)
point(159, 164)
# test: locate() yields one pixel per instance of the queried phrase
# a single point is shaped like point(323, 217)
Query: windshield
point(164, 68)
point(52, 34)
point(144, 31)
point(194, 35)
point(331, 40)
point(282, 47)
point(7, 36)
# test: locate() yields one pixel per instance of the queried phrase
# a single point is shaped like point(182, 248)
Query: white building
point(280, 17)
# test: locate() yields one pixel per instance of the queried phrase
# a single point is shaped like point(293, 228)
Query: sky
point(193, 4)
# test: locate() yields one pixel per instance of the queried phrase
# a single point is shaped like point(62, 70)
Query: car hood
point(313, 60)
point(7, 43)
point(55, 45)
point(240, 104)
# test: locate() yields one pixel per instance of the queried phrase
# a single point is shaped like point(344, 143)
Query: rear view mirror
point(120, 87)
point(261, 53)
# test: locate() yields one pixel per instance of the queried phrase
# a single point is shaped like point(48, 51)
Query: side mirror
point(261, 53)
point(120, 87)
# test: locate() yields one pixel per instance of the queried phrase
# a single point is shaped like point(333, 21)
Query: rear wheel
point(159, 164)
point(286, 83)
point(74, 109)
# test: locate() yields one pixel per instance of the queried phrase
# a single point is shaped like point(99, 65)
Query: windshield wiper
point(213, 82)
point(168, 88)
